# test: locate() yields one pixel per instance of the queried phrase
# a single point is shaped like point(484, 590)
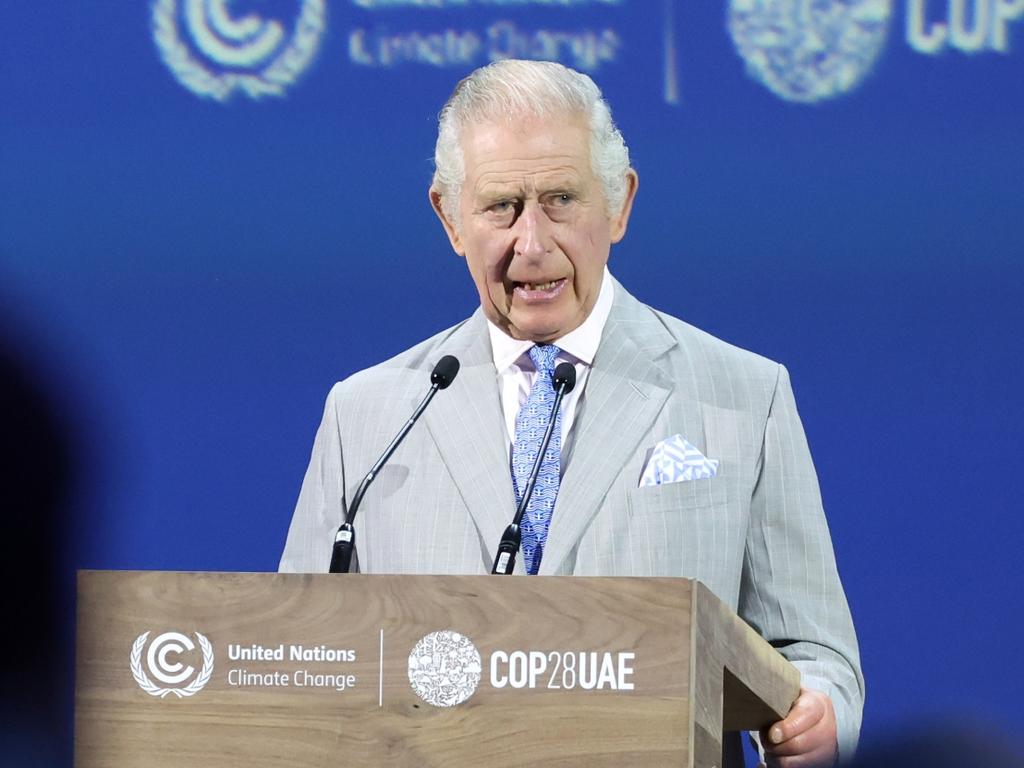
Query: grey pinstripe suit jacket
point(755, 534)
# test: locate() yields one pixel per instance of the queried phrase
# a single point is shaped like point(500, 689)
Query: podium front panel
point(225, 669)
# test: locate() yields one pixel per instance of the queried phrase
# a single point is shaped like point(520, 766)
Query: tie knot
point(543, 356)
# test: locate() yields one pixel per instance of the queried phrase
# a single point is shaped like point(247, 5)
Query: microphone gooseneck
point(441, 377)
point(564, 379)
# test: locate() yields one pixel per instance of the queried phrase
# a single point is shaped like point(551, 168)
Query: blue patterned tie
point(531, 423)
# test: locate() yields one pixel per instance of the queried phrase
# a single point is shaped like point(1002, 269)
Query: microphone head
point(564, 376)
point(445, 371)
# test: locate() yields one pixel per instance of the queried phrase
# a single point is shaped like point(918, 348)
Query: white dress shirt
point(516, 371)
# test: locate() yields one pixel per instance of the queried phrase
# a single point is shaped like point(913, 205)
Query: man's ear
point(449, 226)
point(618, 222)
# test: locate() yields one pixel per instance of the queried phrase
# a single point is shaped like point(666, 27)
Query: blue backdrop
point(213, 210)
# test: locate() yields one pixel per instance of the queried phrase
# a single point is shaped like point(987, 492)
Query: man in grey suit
point(676, 453)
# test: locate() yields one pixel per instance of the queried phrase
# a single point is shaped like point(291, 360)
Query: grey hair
point(510, 89)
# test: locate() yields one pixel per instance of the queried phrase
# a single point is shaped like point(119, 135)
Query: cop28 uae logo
point(809, 50)
point(214, 52)
point(163, 661)
point(444, 668)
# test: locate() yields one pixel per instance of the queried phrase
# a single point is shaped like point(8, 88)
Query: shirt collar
point(580, 343)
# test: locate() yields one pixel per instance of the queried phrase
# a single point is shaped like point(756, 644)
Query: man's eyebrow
point(493, 192)
point(561, 182)
point(558, 188)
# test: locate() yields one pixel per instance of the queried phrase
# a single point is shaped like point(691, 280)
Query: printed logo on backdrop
point(166, 660)
point(444, 668)
point(809, 50)
point(969, 26)
point(588, 35)
point(215, 51)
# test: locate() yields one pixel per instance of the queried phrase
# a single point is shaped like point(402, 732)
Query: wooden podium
point(207, 670)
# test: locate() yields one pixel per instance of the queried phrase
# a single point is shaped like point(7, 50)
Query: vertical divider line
point(671, 64)
point(380, 675)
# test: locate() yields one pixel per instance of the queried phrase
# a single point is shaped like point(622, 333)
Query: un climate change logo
point(444, 668)
point(170, 671)
point(214, 53)
point(809, 50)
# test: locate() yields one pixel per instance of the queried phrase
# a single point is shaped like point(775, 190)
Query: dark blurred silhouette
point(36, 643)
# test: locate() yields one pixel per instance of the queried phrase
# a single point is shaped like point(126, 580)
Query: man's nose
point(532, 232)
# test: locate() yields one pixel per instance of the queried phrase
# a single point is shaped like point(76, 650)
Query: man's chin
point(539, 332)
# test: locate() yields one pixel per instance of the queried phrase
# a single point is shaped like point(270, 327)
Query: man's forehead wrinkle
point(514, 177)
point(542, 141)
point(533, 165)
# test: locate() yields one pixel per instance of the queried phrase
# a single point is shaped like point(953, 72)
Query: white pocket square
point(674, 460)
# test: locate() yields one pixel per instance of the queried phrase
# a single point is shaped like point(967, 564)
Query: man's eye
point(501, 208)
point(561, 199)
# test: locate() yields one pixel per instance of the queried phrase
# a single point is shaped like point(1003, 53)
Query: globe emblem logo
point(809, 50)
point(216, 51)
point(166, 661)
point(444, 668)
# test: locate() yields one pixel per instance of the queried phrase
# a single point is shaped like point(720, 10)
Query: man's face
point(534, 226)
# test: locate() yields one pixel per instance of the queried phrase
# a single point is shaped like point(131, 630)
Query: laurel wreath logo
point(152, 689)
point(282, 71)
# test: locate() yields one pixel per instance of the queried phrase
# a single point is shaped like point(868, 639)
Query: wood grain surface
point(380, 721)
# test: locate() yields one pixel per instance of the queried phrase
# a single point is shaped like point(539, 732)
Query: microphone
point(345, 539)
point(564, 379)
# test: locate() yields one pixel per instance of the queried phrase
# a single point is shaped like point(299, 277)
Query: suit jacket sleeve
point(790, 589)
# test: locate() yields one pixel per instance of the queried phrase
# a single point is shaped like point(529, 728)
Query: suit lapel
point(624, 394)
point(467, 427)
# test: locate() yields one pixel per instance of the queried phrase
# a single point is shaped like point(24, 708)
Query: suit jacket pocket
point(678, 497)
point(693, 529)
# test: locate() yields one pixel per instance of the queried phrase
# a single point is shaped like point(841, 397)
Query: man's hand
point(806, 738)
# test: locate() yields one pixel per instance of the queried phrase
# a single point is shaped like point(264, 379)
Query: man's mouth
point(540, 286)
point(545, 291)
point(539, 291)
